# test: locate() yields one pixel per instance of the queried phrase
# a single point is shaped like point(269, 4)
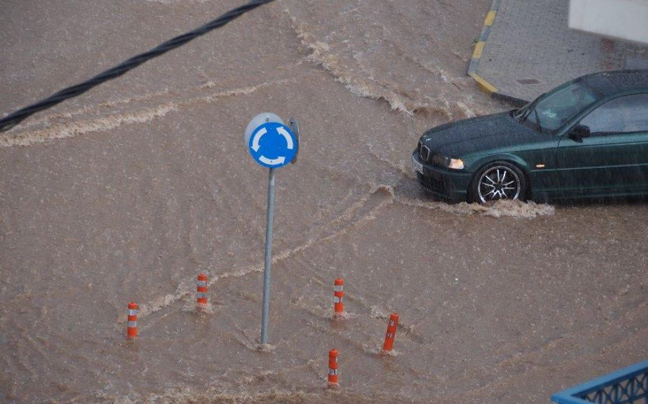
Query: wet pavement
point(529, 49)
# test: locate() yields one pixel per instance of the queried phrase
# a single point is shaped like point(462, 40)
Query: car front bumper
point(446, 184)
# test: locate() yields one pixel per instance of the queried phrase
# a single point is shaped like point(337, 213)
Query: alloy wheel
point(498, 182)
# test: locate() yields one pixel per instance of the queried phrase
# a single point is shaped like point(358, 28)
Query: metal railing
point(625, 386)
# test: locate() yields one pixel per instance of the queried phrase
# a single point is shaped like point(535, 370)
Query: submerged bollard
point(391, 333)
point(333, 368)
point(201, 291)
point(131, 328)
point(338, 295)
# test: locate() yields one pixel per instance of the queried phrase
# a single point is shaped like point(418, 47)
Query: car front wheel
point(498, 180)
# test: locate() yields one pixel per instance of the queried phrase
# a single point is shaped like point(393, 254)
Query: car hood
point(455, 139)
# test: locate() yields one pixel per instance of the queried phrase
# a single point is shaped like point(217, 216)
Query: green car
point(586, 138)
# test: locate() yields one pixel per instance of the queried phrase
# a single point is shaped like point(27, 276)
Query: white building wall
point(619, 19)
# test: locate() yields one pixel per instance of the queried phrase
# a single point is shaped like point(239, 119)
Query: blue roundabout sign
point(273, 145)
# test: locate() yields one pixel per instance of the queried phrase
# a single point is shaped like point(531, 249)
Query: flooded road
point(130, 191)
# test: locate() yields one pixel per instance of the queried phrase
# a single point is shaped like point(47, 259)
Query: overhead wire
point(16, 117)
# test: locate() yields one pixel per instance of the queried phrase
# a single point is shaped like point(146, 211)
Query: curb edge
point(483, 85)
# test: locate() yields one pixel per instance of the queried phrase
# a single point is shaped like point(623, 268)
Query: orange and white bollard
point(333, 368)
point(338, 296)
point(391, 333)
point(131, 328)
point(201, 291)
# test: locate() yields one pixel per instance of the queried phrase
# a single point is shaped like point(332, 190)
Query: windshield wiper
point(527, 109)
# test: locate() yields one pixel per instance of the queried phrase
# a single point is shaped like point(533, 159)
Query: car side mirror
point(579, 131)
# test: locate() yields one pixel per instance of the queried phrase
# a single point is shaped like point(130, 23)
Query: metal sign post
point(268, 257)
point(272, 145)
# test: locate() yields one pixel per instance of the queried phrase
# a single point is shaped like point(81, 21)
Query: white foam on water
point(379, 313)
point(343, 316)
point(502, 208)
point(71, 129)
point(320, 54)
point(21, 137)
point(392, 353)
point(255, 345)
point(199, 309)
point(268, 348)
point(467, 112)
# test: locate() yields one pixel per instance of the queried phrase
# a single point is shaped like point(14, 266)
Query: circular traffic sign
point(258, 121)
point(273, 145)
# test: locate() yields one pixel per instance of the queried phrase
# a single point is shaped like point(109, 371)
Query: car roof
point(619, 81)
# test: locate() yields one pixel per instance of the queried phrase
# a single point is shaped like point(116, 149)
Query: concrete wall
point(619, 19)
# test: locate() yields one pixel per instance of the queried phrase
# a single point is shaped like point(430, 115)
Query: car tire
point(498, 180)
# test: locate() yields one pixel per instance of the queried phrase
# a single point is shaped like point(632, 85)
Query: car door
point(613, 157)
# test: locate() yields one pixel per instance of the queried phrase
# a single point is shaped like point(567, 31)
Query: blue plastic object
point(625, 386)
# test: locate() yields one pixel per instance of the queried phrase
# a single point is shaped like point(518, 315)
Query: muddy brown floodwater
point(128, 192)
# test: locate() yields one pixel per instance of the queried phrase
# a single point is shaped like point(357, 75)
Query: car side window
point(621, 115)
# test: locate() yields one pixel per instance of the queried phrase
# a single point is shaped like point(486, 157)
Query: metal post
point(268, 258)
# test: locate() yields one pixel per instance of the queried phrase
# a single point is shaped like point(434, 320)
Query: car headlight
point(456, 164)
point(448, 162)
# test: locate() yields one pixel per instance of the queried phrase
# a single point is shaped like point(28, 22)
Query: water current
point(129, 192)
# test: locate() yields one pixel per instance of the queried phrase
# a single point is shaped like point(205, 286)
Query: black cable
point(13, 119)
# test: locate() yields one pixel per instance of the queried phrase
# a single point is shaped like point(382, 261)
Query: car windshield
point(551, 111)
